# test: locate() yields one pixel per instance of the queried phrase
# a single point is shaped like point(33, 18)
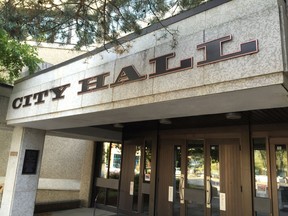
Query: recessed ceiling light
point(233, 116)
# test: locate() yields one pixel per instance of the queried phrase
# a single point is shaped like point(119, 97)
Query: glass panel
point(111, 197)
point(282, 178)
point(195, 165)
point(147, 161)
point(260, 168)
point(145, 204)
point(195, 209)
point(101, 195)
point(195, 175)
point(177, 176)
point(110, 168)
point(215, 180)
point(115, 161)
point(136, 177)
point(107, 196)
point(105, 160)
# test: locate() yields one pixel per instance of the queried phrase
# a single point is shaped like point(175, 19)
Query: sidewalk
point(79, 212)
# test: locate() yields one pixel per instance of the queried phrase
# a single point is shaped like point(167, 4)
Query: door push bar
point(208, 192)
point(182, 188)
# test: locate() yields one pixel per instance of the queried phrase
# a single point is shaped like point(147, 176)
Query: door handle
point(208, 192)
point(181, 188)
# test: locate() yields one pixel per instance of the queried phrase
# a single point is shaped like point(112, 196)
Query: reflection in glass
point(195, 164)
point(177, 176)
point(111, 160)
point(105, 160)
point(195, 209)
point(110, 168)
point(215, 180)
point(112, 197)
point(260, 168)
point(282, 179)
point(107, 196)
point(101, 195)
point(195, 175)
point(136, 177)
point(145, 198)
point(115, 161)
point(147, 161)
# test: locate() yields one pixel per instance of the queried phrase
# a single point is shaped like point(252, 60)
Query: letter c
point(17, 103)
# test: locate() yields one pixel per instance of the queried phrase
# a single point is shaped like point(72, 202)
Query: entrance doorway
point(199, 177)
point(136, 177)
point(279, 175)
point(271, 182)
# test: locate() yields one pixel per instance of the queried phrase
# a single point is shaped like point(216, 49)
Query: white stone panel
point(59, 184)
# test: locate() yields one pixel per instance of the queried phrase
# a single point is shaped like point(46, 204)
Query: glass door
point(171, 178)
point(223, 178)
point(202, 179)
point(270, 165)
point(279, 176)
point(213, 183)
point(107, 168)
point(136, 177)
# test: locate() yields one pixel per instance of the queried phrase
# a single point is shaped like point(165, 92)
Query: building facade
point(65, 184)
point(197, 129)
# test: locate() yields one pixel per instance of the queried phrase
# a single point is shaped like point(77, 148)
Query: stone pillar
point(20, 189)
point(86, 176)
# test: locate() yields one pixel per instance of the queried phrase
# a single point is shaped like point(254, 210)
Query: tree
point(14, 56)
point(92, 21)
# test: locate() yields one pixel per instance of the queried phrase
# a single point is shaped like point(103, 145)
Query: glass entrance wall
point(109, 174)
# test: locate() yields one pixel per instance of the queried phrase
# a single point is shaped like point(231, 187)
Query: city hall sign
point(212, 50)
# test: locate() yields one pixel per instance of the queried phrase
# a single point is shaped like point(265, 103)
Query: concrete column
point(86, 176)
point(20, 189)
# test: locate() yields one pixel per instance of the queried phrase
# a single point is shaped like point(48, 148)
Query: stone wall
point(64, 169)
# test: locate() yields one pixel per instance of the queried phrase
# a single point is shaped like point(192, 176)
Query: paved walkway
point(79, 212)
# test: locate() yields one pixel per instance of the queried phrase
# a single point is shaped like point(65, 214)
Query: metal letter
point(16, 104)
point(214, 50)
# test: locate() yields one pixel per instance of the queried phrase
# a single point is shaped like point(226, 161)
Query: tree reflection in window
point(111, 160)
point(260, 167)
point(147, 161)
